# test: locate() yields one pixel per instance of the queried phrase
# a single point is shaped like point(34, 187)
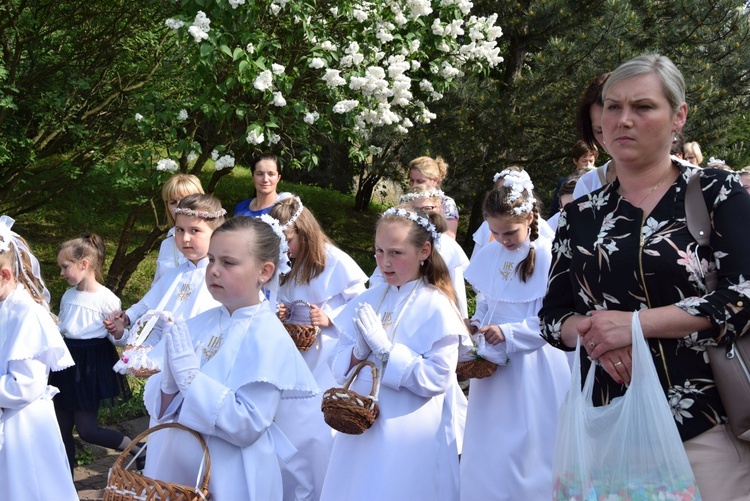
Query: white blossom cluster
point(167, 165)
point(225, 162)
point(200, 27)
point(385, 70)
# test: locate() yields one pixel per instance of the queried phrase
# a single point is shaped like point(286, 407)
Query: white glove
point(168, 383)
point(481, 343)
point(369, 325)
point(181, 357)
point(361, 349)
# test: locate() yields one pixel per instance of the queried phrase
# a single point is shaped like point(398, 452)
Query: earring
point(421, 263)
point(674, 139)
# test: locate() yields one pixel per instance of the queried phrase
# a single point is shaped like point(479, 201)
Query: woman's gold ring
point(618, 363)
point(592, 344)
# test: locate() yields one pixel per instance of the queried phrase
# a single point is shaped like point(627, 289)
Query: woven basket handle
point(206, 475)
point(373, 369)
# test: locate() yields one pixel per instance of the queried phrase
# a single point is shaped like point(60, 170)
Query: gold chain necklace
point(656, 186)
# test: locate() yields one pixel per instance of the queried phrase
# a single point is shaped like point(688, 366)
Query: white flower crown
point(197, 213)
point(501, 174)
point(413, 216)
point(291, 221)
point(410, 197)
point(520, 182)
point(283, 245)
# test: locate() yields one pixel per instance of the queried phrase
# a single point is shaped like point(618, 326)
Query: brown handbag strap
point(696, 212)
point(698, 222)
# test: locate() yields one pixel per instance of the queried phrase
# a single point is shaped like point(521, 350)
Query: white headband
point(520, 182)
point(283, 245)
point(410, 197)
point(291, 221)
point(413, 216)
point(8, 236)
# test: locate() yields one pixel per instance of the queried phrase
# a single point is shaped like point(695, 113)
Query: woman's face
point(637, 122)
point(416, 178)
point(595, 113)
point(266, 177)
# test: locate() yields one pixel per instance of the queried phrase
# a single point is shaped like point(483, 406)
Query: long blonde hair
point(310, 261)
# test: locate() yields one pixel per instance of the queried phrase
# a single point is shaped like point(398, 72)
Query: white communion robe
point(33, 464)
point(512, 417)
point(169, 256)
point(302, 421)
point(232, 402)
point(410, 451)
point(181, 291)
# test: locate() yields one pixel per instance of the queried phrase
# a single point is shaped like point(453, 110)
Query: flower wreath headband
point(410, 197)
point(197, 213)
point(413, 216)
point(9, 236)
point(519, 182)
point(294, 217)
point(283, 245)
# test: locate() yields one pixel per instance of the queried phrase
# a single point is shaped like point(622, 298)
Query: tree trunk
point(367, 183)
point(124, 263)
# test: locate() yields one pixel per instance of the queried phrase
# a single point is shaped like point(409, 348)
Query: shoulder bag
point(729, 362)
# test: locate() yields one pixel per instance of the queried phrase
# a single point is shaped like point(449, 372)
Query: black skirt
point(91, 381)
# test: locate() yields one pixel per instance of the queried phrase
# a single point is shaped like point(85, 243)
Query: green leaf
point(238, 53)
point(226, 50)
point(206, 49)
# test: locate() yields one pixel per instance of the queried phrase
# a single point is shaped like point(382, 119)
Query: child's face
point(509, 233)
point(72, 272)
point(585, 161)
point(398, 259)
point(234, 276)
point(192, 236)
point(292, 240)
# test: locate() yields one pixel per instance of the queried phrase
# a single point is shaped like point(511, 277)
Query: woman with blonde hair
point(692, 153)
point(430, 172)
point(174, 189)
point(626, 247)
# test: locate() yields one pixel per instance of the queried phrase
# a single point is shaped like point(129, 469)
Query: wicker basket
point(304, 336)
point(476, 369)
point(125, 485)
point(140, 372)
point(350, 412)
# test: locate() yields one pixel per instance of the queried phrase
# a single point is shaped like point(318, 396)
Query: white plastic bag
point(629, 449)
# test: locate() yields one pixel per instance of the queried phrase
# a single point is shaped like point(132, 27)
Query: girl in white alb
point(512, 416)
point(182, 291)
point(225, 374)
point(483, 235)
point(174, 189)
point(410, 328)
point(322, 280)
point(33, 464)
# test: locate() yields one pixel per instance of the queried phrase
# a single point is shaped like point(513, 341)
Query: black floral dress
point(606, 256)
